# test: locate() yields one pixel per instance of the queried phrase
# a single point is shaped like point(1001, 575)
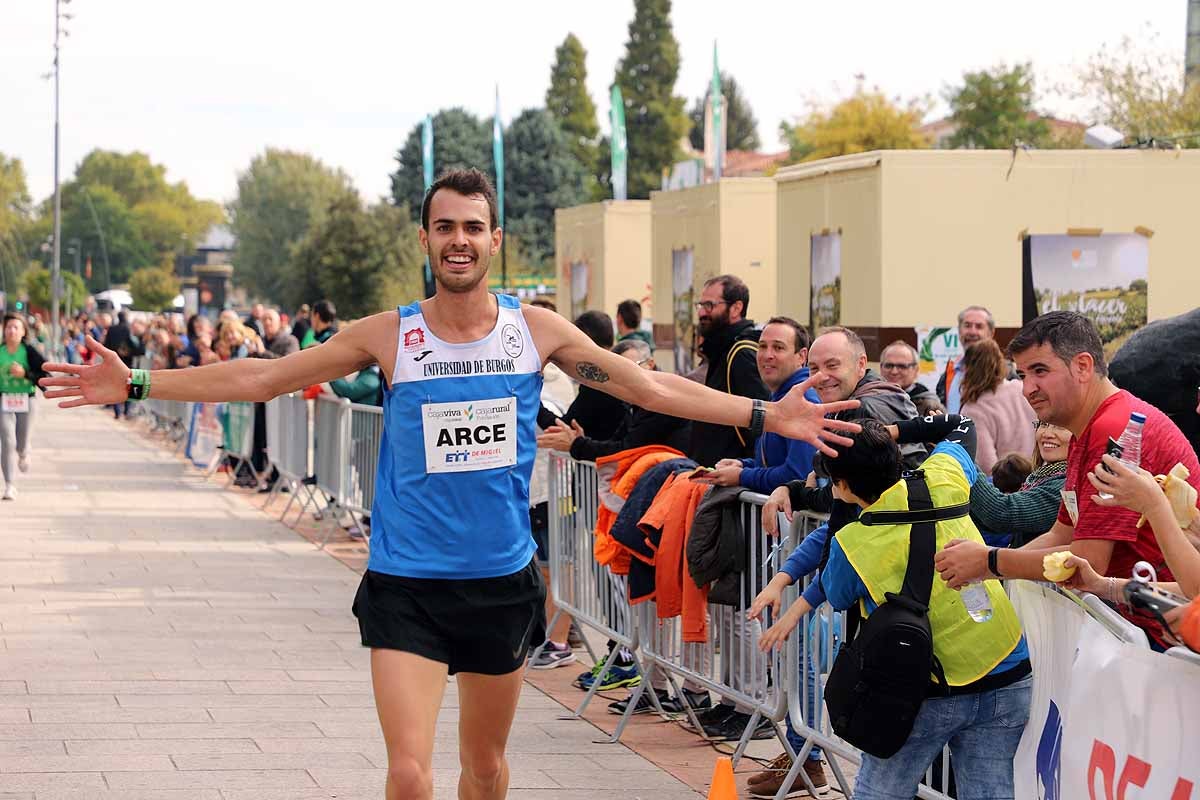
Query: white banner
point(1109, 721)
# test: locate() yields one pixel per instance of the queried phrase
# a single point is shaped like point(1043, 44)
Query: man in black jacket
point(638, 428)
point(731, 348)
point(593, 413)
point(127, 346)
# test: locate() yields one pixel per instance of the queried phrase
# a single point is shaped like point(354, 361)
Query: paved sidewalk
point(162, 639)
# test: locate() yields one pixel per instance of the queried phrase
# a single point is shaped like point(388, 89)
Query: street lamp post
point(56, 259)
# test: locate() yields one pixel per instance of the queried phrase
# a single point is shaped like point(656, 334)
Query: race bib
point(15, 403)
point(1072, 503)
point(471, 435)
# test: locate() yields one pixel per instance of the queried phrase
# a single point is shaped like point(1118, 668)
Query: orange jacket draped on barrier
point(616, 476)
point(668, 522)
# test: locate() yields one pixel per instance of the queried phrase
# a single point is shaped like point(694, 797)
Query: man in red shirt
point(1060, 359)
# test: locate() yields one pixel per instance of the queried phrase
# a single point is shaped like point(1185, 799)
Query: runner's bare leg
point(408, 696)
point(487, 705)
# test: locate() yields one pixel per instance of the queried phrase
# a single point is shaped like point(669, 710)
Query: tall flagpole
point(498, 158)
point(56, 265)
point(427, 167)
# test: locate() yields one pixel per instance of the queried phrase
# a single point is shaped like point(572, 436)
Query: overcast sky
point(204, 86)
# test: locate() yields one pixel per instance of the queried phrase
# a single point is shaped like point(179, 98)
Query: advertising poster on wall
point(935, 347)
point(683, 294)
point(1102, 277)
point(578, 285)
point(826, 307)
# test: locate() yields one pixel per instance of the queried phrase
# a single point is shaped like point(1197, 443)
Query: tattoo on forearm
point(591, 372)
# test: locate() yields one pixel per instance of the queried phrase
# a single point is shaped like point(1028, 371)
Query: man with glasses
point(731, 349)
point(898, 364)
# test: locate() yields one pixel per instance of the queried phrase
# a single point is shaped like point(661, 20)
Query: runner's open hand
point(102, 383)
point(794, 417)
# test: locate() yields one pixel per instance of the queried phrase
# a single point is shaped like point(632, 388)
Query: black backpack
point(882, 675)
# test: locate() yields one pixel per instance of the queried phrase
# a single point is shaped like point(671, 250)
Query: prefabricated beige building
point(602, 256)
point(924, 233)
point(699, 233)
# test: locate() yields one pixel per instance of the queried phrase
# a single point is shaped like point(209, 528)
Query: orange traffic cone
point(724, 787)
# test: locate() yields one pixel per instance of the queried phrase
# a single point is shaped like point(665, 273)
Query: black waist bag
point(882, 675)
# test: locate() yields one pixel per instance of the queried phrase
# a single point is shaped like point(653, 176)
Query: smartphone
point(1115, 450)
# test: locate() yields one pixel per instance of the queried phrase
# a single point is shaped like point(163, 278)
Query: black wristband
point(758, 417)
point(993, 561)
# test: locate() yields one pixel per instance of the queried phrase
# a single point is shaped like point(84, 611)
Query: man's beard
point(714, 323)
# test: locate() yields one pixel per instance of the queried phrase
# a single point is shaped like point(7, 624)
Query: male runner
point(451, 587)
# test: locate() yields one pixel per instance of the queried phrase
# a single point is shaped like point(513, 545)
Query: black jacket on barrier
point(718, 549)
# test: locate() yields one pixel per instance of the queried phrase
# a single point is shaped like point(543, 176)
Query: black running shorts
point(483, 625)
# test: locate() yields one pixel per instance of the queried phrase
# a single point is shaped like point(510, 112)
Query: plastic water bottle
point(975, 598)
point(1130, 444)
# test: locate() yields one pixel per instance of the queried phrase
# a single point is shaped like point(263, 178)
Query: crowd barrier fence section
point(331, 462)
point(366, 434)
point(237, 439)
point(582, 588)
point(289, 451)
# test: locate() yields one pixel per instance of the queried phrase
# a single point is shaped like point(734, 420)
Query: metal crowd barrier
point(366, 434)
point(237, 439)
point(583, 589)
point(331, 458)
point(288, 440)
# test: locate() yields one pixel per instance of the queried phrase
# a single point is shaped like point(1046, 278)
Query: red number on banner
point(1103, 760)
point(1135, 773)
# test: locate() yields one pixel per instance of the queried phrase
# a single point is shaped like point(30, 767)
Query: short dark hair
point(630, 312)
point(122, 317)
point(802, 340)
point(466, 182)
point(869, 466)
point(598, 326)
point(325, 310)
point(1010, 472)
point(1068, 333)
point(541, 301)
point(733, 289)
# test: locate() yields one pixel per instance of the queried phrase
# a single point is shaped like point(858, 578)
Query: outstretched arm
point(793, 417)
point(249, 379)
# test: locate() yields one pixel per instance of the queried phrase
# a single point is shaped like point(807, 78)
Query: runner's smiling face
point(459, 243)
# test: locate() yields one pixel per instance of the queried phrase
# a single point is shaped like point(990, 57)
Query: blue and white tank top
point(459, 437)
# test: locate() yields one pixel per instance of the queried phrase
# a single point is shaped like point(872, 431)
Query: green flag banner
point(715, 99)
point(620, 151)
point(498, 157)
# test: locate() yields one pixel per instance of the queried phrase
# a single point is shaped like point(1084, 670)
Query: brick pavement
point(162, 639)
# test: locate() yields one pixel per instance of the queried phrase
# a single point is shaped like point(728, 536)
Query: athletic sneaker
point(553, 655)
point(670, 705)
point(23, 462)
point(10, 492)
point(584, 679)
point(617, 677)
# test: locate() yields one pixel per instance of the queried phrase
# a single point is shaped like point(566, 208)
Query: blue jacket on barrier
point(778, 460)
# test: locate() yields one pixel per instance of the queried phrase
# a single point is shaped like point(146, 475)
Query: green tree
point(460, 139)
point(568, 101)
point(107, 231)
point(741, 128)
point(1137, 87)
point(36, 284)
point(655, 120)
point(993, 109)
point(542, 174)
point(863, 122)
point(363, 260)
point(153, 288)
point(14, 220)
point(142, 184)
point(281, 196)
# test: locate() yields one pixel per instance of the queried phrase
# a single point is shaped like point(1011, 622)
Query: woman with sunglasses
point(1031, 511)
